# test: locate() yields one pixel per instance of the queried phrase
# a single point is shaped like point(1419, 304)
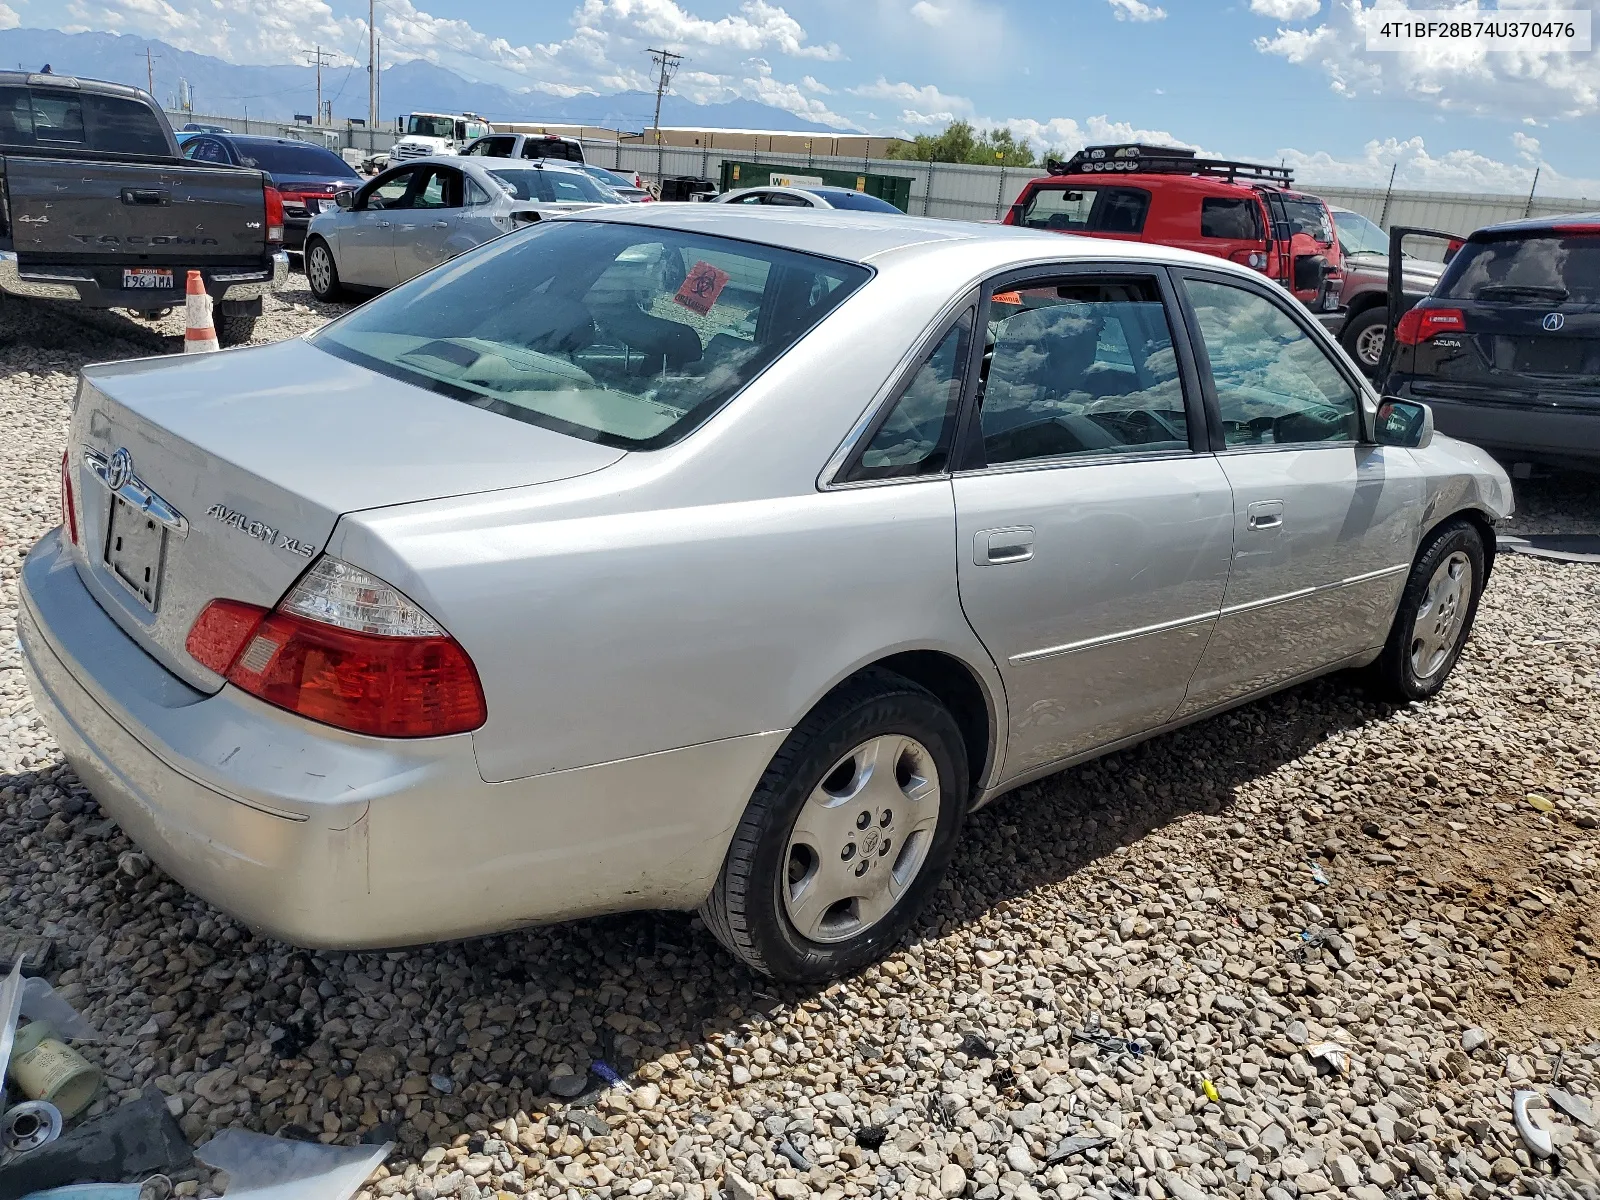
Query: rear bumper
point(74, 283)
point(1541, 433)
point(327, 839)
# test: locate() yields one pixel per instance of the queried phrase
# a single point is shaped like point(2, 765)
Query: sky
point(1270, 80)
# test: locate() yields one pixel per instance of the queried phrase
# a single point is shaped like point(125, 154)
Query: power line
point(150, 70)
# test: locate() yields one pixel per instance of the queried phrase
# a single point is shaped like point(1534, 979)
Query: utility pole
point(1527, 210)
point(317, 57)
point(667, 64)
point(150, 70)
point(372, 64)
point(377, 76)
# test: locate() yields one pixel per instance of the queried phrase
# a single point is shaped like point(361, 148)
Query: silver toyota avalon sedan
point(686, 556)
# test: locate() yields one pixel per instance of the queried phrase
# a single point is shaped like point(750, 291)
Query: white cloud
point(1454, 170)
point(243, 31)
point(1285, 10)
point(930, 14)
point(1137, 10)
point(8, 17)
point(1460, 76)
point(812, 85)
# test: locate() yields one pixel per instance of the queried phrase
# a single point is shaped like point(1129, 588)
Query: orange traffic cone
point(201, 335)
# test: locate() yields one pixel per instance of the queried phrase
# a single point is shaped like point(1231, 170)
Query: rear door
point(1094, 525)
point(1325, 523)
point(1530, 306)
point(423, 228)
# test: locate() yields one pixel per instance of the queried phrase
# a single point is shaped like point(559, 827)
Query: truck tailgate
point(115, 212)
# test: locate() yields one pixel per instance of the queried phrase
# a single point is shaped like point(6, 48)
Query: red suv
point(1246, 212)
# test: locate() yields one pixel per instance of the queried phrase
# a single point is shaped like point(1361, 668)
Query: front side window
point(916, 437)
point(1357, 235)
point(1235, 219)
point(1066, 209)
point(441, 189)
point(1081, 367)
point(1274, 384)
point(619, 334)
point(388, 192)
point(206, 150)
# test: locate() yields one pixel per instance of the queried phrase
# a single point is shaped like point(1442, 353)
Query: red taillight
point(1420, 324)
point(69, 509)
point(274, 201)
point(401, 687)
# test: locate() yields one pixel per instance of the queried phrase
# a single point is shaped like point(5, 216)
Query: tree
point(961, 143)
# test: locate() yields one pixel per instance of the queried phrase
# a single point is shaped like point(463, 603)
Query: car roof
point(482, 161)
point(1541, 224)
point(866, 237)
point(261, 139)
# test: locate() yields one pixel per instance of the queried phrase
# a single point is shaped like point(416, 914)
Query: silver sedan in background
point(416, 216)
point(679, 556)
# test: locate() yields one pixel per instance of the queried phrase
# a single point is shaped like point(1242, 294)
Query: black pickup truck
point(98, 207)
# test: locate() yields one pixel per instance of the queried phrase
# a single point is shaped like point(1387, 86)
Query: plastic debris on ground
point(792, 1153)
point(10, 1010)
point(1210, 1089)
point(267, 1168)
point(1319, 874)
point(1579, 1109)
point(138, 1138)
point(1335, 1056)
point(974, 1046)
point(604, 1071)
point(1071, 1147)
point(41, 1002)
point(1537, 1140)
point(1094, 1036)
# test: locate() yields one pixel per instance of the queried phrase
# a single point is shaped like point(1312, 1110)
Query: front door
point(1094, 525)
point(1325, 523)
point(366, 232)
point(422, 231)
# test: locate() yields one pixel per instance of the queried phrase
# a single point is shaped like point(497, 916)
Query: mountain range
point(224, 89)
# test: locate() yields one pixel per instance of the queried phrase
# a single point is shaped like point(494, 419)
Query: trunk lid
point(130, 213)
point(259, 452)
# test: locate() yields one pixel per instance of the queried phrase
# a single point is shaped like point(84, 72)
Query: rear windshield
point(1086, 209)
point(562, 151)
point(860, 201)
point(624, 335)
point(69, 120)
point(291, 159)
point(1552, 269)
point(535, 183)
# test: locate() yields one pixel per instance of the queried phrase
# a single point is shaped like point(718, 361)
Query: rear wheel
point(322, 273)
point(1363, 337)
point(1436, 613)
point(235, 329)
point(847, 834)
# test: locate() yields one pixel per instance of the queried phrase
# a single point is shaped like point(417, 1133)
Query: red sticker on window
point(701, 288)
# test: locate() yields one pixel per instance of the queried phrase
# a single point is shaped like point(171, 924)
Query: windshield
point(434, 127)
point(1357, 235)
point(624, 335)
point(1548, 268)
point(291, 159)
point(1309, 217)
point(843, 198)
point(532, 183)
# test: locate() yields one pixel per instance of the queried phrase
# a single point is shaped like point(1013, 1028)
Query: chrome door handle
point(1265, 514)
point(383, 225)
point(995, 547)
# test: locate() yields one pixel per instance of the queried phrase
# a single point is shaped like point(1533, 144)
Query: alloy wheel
point(1369, 345)
point(1440, 616)
point(319, 268)
point(861, 838)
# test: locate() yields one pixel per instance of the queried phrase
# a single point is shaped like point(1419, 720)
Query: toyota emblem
point(119, 470)
point(1553, 322)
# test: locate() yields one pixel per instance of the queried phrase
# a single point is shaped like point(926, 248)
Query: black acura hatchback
point(1506, 348)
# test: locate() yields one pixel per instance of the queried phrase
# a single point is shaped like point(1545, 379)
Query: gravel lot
point(1416, 887)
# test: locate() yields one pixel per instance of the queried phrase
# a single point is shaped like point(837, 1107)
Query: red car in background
point(1247, 212)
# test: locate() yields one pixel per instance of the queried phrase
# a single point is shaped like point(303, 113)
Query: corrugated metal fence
point(960, 192)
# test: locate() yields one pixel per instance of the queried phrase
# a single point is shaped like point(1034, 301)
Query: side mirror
point(1309, 271)
point(1404, 423)
point(345, 199)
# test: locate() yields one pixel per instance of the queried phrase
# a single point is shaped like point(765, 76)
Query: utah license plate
point(146, 277)
point(135, 543)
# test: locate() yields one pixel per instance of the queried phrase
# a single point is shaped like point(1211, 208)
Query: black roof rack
point(1165, 160)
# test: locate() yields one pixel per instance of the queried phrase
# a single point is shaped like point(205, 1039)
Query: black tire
point(746, 911)
point(325, 286)
point(235, 329)
point(1366, 352)
point(1397, 672)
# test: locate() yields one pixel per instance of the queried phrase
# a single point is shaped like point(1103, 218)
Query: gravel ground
point(1313, 945)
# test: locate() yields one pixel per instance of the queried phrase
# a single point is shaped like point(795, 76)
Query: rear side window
point(1086, 209)
point(120, 126)
point(1550, 269)
point(916, 436)
point(1234, 219)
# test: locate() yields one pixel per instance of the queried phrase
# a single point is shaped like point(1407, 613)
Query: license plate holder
point(146, 278)
point(136, 545)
